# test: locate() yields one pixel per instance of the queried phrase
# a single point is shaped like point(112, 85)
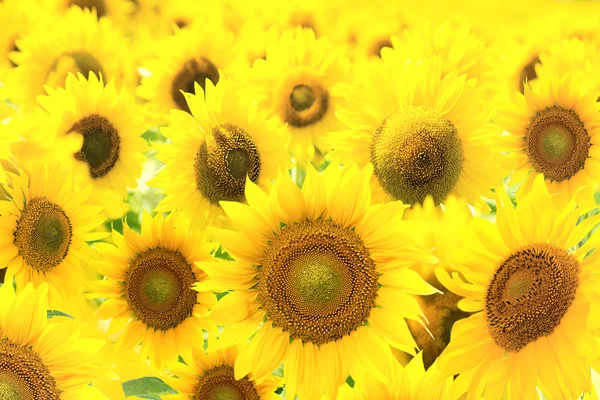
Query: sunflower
point(412, 382)
point(211, 376)
point(426, 134)
point(44, 227)
point(41, 358)
point(148, 287)
point(321, 281)
point(530, 284)
point(553, 131)
point(116, 10)
point(110, 124)
point(213, 149)
point(437, 229)
point(191, 56)
point(75, 42)
point(457, 47)
point(16, 18)
point(297, 84)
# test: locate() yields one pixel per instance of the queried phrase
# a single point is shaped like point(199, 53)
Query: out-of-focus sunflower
point(297, 83)
point(211, 376)
point(75, 42)
point(426, 134)
point(412, 382)
point(457, 48)
point(322, 281)
point(191, 56)
point(110, 124)
point(45, 225)
point(148, 288)
point(116, 10)
point(213, 150)
point(530, 284)
point(17, 17)
point(43, 358)
point(554, 131)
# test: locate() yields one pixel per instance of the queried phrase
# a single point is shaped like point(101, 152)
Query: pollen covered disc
point(101, 144)
point(529, 294)
point(306, 104)
point(227, 155)
point(219, 383)
point(23, 375)
point(557, 143)
point(416, 152)
point(317, 281)
point(74, 62)
point(43, 234)
point(159, 288)
point(193, 71)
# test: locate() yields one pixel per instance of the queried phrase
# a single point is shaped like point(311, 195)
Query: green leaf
point(222, 254)
point(147, 388)
point(56, 313)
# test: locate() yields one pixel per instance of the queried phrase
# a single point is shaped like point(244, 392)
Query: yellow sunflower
point(148, 288)
point(211, 376)
point(457, 47)
point(181, 61)
point(42, 358)
point(530, 284)
point(321, 282)
point(437, 229)
point(426, 134)
point(17, 17)
point(412, 382)
point(553, 131)
point(75, 42)
point(297, 84)
point(213, 149)
point(110, 126)
point(44, 227)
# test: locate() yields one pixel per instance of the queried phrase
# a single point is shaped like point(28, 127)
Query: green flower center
point(219, 383)
point(101, 144)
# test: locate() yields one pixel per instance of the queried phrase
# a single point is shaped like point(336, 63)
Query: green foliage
point(56, 313)
point(147, 388)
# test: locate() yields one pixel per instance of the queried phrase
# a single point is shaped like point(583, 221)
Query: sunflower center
point(442, 312)
point(43, 234)
point(23, 375)
point(101, 144)
point(528, 73)
point(99, 5)
point(193, 71)
point(379, 45)
point(159, 288)
point(219, 383)
point(226, 157)
point(74, 62)
point(529, 294)
point(317, 281)
point(416, 152)
point(306, 105)
point(557, 143)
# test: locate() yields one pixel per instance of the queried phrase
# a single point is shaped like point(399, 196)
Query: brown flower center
point(74, 62)
point(219, 383)
point(43, 234)
point(101, 144)
point(99, 5)
point(529, 294)
point(416, 153)
point(528, 73)
point(379, 45)
point(306, 105)
point(159, 288)
point(317, 281)
point(193, 71)
point(227, 155)
point(23, 375)
point(557, 143)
